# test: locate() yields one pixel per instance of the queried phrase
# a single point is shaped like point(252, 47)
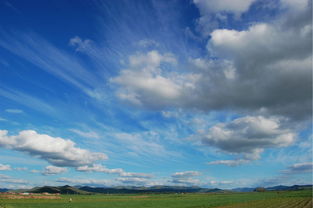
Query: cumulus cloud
point(295, 6)
point(249, 136)
point(53, 170)
point(213, 11)
point(256, 70)
point(56, 150)
point(272, 72)
point(5, 167)
point(297, 168)
point(143, 82)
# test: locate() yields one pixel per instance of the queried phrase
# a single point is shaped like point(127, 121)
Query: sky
point(209, 93)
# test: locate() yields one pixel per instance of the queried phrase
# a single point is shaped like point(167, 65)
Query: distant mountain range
point(289, 188)
point(53, 190)
point(3, 190)
point(276, 188)
point(154, 189)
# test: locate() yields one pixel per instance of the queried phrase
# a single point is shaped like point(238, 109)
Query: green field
point(287, 199)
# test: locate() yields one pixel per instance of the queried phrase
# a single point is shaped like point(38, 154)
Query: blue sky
point(211, 93)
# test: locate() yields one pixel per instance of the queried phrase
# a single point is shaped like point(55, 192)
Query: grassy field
point(288, 199)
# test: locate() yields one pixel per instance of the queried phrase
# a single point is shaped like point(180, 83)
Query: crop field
point(286, 199)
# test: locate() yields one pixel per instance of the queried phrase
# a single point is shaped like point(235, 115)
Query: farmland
point(285, 199)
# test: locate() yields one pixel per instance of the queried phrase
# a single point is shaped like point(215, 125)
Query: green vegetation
point(60, 189)
point(288, 199)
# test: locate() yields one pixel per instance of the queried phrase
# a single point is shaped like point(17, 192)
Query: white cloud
point(185, 174)
point(213, 10)
point(2, 176)
point(143, 83)
point(21, 169)
point(28, 100)
point(186, 181)
point(272, 72)
point(87, 182)
point(119, 171)
point(229, 162)
point(88, 134)
point(257, 70)
point(136, 175)
point(185, 178)
point(35, 171)
point(133, 180)
point(47, 57)
point(142, 143)
point(99, 168)
point(5, 167)
point(249, 136)
point(53, 170)
point(56, 150)
point(147, 43)
point(212, 182)
point(10, 180)
point(259, 41)
point(14, 111)
point(295, 6)
point(81, 45)
point(13, 180)
point(298, 168)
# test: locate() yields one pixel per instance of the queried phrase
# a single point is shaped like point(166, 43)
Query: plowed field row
point(275, 203)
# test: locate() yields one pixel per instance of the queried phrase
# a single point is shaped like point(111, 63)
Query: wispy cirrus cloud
point(5, 167)
point(119, 171)
point(232, 163)
point(38, 51)
point(87, 134)
point(11, 110)
point(27, 100)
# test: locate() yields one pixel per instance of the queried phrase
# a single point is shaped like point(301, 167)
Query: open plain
point(273, 199)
